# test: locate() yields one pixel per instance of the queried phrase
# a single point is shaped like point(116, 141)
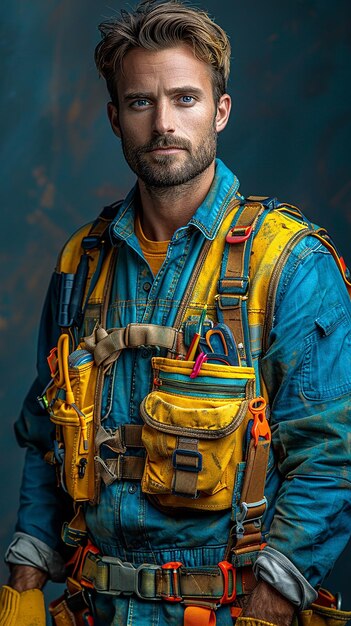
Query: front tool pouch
point(194, 432)
point(70, 401)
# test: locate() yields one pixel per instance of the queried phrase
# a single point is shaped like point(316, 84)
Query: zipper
point(219, 389)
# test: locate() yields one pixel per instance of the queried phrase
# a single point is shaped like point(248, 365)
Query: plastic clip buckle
point(260, 427)
point(174, 566)
point(225, 568)
point(239, 234)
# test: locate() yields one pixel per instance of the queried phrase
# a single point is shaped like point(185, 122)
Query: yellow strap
point(199, 616)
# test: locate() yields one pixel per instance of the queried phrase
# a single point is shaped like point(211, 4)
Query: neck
point(164, 210)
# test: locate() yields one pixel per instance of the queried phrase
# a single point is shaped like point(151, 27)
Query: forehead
point(169, 68)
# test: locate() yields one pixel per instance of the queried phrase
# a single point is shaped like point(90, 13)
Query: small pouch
point(323, 616)
point(194, 432)
point(70, 402)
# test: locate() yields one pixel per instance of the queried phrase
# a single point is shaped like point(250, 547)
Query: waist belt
point(171, 582)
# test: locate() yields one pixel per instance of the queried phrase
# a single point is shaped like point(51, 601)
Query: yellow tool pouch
point(70, 402)
point(194, 431)
point(323, 616)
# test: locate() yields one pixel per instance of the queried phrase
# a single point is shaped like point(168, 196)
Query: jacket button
point(147, 286)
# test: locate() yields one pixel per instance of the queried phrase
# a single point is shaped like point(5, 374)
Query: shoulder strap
point(80, 265)
point(233, 284)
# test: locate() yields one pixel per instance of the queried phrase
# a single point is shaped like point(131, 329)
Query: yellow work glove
point(21, 609)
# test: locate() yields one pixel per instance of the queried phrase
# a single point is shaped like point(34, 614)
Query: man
point(166, 67)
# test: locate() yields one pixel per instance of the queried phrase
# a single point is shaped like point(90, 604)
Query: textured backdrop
point(289, 136)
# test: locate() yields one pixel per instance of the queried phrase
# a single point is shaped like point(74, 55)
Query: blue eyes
point(187, 99)
point(140, 103)
point(144, 102)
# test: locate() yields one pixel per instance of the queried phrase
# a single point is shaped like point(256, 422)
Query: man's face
point(167, 118)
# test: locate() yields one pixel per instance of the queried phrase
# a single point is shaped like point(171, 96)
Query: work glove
point(21, 609)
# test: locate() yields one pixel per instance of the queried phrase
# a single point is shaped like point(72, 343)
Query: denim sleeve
point(307, 371)
point(43, 506)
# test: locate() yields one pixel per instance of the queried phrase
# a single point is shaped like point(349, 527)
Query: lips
point(164, 147)
point(167, 149)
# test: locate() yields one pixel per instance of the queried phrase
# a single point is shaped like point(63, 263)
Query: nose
point(163, 121)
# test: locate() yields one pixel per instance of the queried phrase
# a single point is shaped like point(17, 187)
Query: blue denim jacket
point(307, 372)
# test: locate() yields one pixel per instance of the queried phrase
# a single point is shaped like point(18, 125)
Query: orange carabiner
point(260, 427)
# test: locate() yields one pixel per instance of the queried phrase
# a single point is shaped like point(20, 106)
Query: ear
point(112, 113)
point(223, 111)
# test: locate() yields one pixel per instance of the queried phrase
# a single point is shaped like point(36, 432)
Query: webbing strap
point(77, 288)
point(187, 462)
point(118, 440)
point(107, 348)
point(234, 282)
point(170, 582)
point(252, 502)
point(199, 616)
point(121, 467)
point(232, 304)
point(101, 375)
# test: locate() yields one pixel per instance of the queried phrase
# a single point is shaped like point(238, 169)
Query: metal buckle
point(243, 234)
point(124, 578)
point(241, 515)
point(182, 466)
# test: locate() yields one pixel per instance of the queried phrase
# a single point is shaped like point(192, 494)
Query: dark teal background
point(289, 136)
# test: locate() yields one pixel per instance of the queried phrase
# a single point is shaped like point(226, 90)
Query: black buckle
point(182, 466)
point(79, 601)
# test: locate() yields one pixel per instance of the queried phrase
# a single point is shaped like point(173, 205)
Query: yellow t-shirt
point(153, 251)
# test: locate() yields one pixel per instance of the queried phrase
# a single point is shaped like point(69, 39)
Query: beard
point(163, 171)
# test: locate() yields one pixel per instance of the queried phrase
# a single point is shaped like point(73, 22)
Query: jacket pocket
point(325, 371)
point(194, 432)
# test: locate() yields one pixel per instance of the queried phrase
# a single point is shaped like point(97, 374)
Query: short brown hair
point(155, 26)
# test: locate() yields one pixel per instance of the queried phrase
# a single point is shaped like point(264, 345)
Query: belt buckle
point(124, 577)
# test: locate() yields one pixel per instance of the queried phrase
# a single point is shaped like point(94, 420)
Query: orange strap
point(199, 616)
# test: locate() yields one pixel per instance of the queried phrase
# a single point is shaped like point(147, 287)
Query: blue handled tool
point(219, 345)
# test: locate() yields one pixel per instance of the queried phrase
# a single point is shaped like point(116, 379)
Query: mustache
point(165, 142)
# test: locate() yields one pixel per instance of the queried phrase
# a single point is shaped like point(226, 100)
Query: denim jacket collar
point(207, 217)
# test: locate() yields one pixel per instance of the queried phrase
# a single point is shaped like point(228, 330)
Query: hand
point(267, 604)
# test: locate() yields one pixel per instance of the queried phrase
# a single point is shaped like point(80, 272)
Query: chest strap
point(106, 345)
